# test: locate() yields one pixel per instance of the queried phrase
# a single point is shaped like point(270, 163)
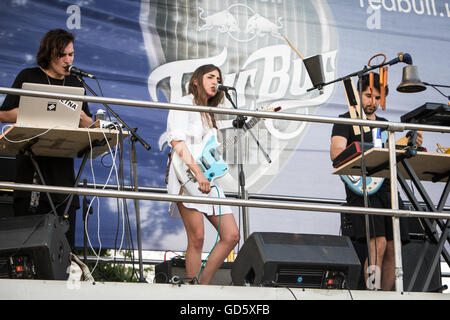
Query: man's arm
point(85, 120)
point(9, 116)
point(338, 144)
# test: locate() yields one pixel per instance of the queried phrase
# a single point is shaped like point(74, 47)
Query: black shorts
point(379, 225)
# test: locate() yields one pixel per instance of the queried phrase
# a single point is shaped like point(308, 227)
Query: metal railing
point(153, 196)
point(256, 196)
point(393, 126)
point(390, 126)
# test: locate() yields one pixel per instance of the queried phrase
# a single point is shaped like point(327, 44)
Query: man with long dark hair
point(56, 51)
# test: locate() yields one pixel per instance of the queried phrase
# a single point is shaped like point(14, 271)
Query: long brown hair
point(200, 96)
point(52, 45)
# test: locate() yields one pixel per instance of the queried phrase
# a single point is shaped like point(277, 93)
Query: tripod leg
point(138, 217)
point(41, 178)
point(83, 164)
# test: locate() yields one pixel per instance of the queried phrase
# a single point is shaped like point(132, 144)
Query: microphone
point(401, 57)
point(221, 87)
point(75, 71)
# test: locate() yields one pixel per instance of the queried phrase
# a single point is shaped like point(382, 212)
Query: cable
point(347, 286)
point(119, 177)
point(119, 208)
point(277, 285)
point(217, 238)
point(96, 197)
point(90, 204)
point(23, 140)
point(124, 204)
point(289, 289)
point(176, 255)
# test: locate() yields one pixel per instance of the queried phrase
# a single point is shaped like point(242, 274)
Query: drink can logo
point(376, 138)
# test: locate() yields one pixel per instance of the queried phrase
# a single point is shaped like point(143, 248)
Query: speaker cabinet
point(166, 270)
point(416, 281)
point(7, 167)
point(6, 204)
point(34, 247)
point(297, 260)
point(7, 173)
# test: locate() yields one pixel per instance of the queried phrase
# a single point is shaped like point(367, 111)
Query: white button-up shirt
point(189, 127)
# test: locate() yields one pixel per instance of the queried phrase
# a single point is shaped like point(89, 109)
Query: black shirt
point(56, 171)
point(346, 131)
point(36, 75)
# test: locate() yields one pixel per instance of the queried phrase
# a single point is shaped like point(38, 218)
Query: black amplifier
point(167, 270)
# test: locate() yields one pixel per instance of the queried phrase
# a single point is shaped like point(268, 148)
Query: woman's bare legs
point(193, 223)
point(229, 237)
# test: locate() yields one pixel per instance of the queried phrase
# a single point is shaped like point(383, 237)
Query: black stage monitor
point(34, 247)
point(297, 260)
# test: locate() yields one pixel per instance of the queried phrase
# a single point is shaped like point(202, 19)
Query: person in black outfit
point(56, 51)
point(381, 233)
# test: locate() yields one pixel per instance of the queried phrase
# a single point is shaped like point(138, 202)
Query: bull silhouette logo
point(261, 26)
point(240, 27)
point(223, 20)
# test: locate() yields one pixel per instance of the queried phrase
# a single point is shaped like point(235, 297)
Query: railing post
point(395, 206)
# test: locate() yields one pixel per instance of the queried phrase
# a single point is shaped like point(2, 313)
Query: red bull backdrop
point(147, 50)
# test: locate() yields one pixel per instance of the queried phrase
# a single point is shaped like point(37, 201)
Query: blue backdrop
point(145, 50)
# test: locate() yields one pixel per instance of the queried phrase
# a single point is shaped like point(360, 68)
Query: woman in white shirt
point(186, 131)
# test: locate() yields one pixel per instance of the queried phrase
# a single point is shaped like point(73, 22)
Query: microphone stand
point(364, 173)
point(354, 74)
point(239, 123)
point(135, 137)
point(359, 74)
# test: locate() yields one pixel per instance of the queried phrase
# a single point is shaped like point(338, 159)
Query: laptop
point(41, 112)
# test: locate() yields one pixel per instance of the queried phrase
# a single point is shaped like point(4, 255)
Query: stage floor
point(13, 289)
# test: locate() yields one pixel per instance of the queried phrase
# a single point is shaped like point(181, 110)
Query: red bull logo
point(254, 24)
point(224, 21)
